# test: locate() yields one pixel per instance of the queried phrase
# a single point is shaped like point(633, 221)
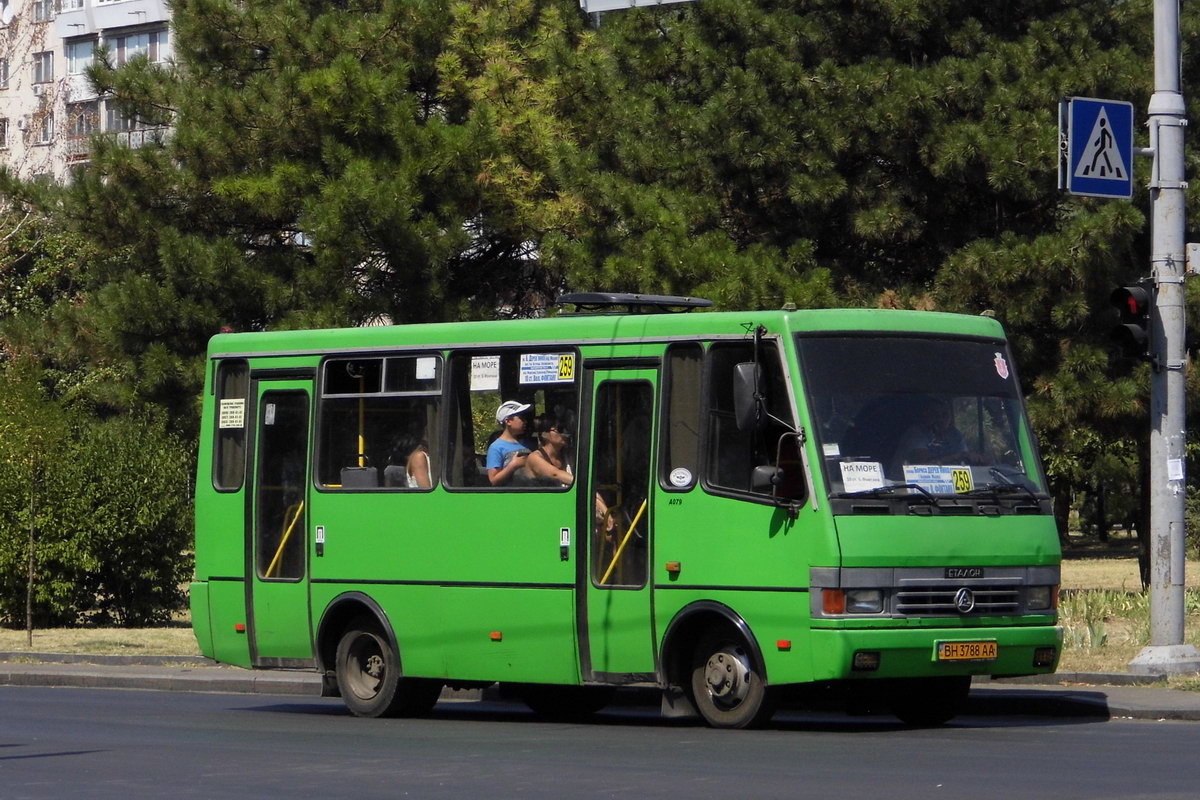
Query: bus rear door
point(616, 638)
point(277, 533)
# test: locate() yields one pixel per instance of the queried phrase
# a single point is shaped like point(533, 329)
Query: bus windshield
point(920, 418)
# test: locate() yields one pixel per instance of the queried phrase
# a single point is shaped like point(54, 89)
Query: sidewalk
point(1074, 695)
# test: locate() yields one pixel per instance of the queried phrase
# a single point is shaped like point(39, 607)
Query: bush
point(112, 525)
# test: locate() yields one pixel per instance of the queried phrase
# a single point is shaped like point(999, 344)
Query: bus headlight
point(1042, 598)
point(864, 601)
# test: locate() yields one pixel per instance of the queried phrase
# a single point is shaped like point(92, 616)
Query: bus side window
point(679, 464)
point(229, 458)
point(480, 382)
point(379, 422)
point(733, 454)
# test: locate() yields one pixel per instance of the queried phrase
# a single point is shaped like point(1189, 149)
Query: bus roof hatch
point(592, 301)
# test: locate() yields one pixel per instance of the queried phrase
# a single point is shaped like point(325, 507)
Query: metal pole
point(1167, 653)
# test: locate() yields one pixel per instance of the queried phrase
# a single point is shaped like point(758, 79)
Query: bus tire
point(370, 680)
point(727, 685)
point(929, 702)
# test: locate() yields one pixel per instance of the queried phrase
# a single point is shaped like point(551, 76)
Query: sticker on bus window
point(485, 373)
point(831, 450)
point(1001, 366)
point(427, 368)
point(547, 367)
point(861, 476)
point(233, 413)
point(940, 479)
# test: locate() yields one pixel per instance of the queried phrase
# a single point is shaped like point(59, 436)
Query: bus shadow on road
point(1008, 709)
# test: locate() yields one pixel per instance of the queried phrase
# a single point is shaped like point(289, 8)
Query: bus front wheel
point(370, 681)
point(727, 684)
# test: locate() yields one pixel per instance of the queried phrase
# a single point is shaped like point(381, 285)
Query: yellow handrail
point(283, 542)
point(617, 555)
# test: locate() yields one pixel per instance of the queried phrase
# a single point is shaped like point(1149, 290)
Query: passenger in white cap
point(506, 455)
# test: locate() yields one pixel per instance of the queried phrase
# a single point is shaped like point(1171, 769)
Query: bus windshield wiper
point(880, 491)
point(996, 490)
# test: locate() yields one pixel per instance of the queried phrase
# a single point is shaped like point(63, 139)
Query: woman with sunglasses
point(548, 465)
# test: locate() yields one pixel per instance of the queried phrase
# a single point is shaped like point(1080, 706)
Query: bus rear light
point(833, 601)
point(865, 661)
point(1044, 656)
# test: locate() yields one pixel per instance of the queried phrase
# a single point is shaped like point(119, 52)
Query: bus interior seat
point(360, 477)
point(395, 475)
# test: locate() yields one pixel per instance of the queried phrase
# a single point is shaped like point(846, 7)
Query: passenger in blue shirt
point(507, 454)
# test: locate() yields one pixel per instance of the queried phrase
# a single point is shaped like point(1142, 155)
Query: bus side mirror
point(764, 479)
point(748, 410)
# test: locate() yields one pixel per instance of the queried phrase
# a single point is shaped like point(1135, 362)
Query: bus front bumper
point(926, 652)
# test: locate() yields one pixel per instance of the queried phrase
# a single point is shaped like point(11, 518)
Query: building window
point(43, 10)
point(43, 67)
point(80, 54)
point(46, 128)
point(3, 133)
point(151, 44)
point(3, 73)
point(71, 5)
point(116, 122)
point(82, 118)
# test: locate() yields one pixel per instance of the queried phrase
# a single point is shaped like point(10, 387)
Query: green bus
point(746, 505)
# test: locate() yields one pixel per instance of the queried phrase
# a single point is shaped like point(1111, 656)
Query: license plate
point(967, 651)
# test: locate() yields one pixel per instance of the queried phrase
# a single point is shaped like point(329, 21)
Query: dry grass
point(174, 640)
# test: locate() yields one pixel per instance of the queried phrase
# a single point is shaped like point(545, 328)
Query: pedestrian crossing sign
point(1097, 147)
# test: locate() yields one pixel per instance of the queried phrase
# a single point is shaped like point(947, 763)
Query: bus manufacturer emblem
point(964, 600)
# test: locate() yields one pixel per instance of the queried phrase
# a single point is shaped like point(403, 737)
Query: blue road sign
point(1099, 147)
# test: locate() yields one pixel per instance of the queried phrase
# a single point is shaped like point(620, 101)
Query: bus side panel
point(451, 569)
point(508, 635)
point(777, 621)
point(756, 551)
point(227, 609)
point(201, 621)
point(220, 559)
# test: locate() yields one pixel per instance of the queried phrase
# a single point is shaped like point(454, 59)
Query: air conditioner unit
point(39, 89)
point(22, 123)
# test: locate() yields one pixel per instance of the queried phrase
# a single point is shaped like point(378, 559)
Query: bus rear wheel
point(370, 681)
point(727, 685)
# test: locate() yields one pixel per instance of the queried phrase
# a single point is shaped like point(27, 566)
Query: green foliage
point(106, 504)
point(414, 160)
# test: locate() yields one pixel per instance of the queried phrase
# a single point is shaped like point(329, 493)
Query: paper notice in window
point(859, 476)
point(485, 373)
point(233, 414)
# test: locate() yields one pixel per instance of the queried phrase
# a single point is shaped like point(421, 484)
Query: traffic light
point(1133, 334)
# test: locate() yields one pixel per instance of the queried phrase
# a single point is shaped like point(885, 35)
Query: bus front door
point(617, 639)
point(277, 547)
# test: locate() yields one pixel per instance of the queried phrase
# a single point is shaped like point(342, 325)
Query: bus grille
point(938, 601)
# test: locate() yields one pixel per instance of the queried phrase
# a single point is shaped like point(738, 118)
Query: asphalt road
point(135, 744)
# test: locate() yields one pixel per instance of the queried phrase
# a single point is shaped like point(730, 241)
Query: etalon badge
point(964, 600)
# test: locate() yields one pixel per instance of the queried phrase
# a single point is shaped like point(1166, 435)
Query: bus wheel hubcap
point(374, 667)
point(728, 678)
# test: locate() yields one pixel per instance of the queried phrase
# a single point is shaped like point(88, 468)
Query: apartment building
point(48, 109)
